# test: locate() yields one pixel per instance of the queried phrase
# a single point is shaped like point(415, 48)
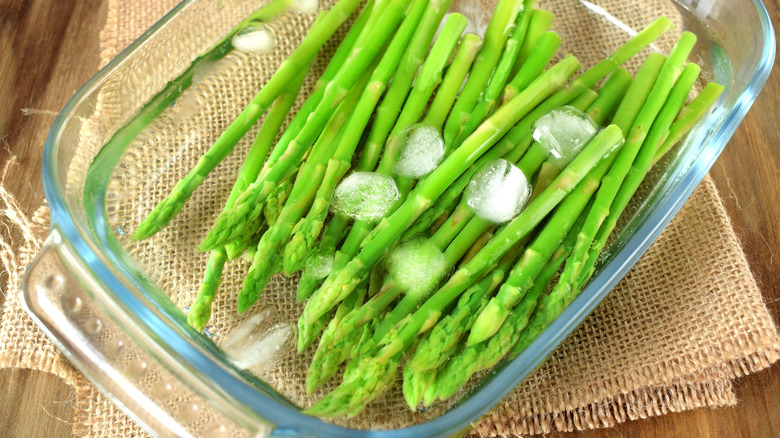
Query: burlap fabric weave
point(686, 320)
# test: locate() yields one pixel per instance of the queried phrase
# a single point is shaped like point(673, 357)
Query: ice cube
point(421, 149)
point(416, 265)
point(256, 343)
point(306, 6)
point(365, 196)
point(319, 265)
point(254, 40)
point(563, 132)
point(498, 191)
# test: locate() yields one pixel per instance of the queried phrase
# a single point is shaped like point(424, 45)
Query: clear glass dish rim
point(291, 421)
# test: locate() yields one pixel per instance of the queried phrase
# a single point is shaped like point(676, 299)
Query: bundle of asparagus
point(468, 153)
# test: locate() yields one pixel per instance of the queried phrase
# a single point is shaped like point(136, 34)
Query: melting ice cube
point(416, 265)
point(253, 345)
point(319, 265)
point(365, 196)
point(254, 40)
point(421, 150)
point(306, 6)
point(563, 132)
point(498, 191)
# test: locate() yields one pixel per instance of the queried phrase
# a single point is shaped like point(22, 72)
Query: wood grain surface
point(49, 48)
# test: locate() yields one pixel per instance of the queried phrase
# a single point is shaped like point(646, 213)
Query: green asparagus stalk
point(447, 92)
point(411, 112)
point(689, 116)
point(612, 92)
point(428, 78)
point(276, 201)
point(162, 214)
point(336, 62)
point(533, 66)
point(452, 82)
point(467, 238)
point(541, 21)
point(463, 224)
point(174, 89)
point(508, 236)
point(363, 382)
point(498, 30)
point(441, 341)
point(278, 197)
point(302, 194)
point(601, 109)
point(520, 135)
point(523, 276)
point(342, 282)
point(231, 223)
point(496, 84)
point(200, 311)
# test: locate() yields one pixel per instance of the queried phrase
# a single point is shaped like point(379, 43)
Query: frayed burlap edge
point(640, 404)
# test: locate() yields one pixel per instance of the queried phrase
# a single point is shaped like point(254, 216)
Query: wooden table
point(49, 48)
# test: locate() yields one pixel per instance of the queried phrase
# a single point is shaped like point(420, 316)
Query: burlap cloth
point(686, 320)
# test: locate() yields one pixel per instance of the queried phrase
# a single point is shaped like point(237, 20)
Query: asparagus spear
point(336, 62)
point(496, 34)
point(428, 78)
point(162, 214)
point(463, 222)
point(689, 116)
point(386, 116)
point(540, 22)
point(440, 342)
point(537, 60)
point(230, 224)
point(602, 108)
point(342, 282)
point(301, 196)
point(452, 82)
point(496, 84)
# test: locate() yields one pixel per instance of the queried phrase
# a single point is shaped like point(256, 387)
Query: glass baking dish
point(118, 313)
